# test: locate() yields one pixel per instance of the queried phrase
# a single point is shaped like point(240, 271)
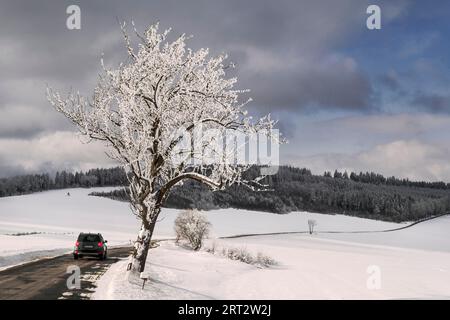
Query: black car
point(90, 244)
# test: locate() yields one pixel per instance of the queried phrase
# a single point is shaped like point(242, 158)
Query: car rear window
point(89, 238)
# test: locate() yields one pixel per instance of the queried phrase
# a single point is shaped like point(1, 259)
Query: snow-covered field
point(413, 263)
point(58, 218)
point(309, 268)
point(18, 249)
point(53, 211)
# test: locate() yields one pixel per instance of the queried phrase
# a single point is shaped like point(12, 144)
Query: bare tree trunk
point(143, 243)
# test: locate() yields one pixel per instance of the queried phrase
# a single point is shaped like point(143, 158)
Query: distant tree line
point(41, 182)
point(375, 178)
point(366, 195)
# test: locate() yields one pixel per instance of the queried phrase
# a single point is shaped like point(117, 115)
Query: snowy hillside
point(61, 216)
point(53, 211)
point(414, 262)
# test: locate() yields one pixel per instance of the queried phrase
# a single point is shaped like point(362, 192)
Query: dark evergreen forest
point(42, 182)
point(368, 195)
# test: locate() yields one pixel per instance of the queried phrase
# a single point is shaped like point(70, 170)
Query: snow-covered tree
point(311, 224)
point(192, 226)
point(144, 110)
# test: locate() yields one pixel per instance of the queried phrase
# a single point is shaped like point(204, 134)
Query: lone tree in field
point(192, 225)
point(311, 225)
point(145, 109)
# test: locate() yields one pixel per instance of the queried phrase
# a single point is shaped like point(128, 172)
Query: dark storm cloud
point(287, 53)
point(434, 103)
point(7, 171)
point(333, 87)
point(24, 121)
point(390, 80)
point(265, 38)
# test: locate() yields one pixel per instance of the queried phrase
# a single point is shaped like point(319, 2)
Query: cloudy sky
point(346, 97)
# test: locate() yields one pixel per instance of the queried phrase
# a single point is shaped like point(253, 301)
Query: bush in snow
point(212, 249)
point(241, 254)
point(264, 260)
point(192, 226)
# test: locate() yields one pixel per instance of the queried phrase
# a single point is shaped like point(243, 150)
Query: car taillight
point(100, 244)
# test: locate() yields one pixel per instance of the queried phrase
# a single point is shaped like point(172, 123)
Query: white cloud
point(415, 146)
point(411, 159)
point(58, 150)
point(353, 134)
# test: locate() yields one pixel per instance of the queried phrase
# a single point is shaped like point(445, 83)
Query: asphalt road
point(46, 279)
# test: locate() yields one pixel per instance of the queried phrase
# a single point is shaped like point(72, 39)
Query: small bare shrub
point(192, 226)
point(265, 261)
point(242, 255)
point(212, 249)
